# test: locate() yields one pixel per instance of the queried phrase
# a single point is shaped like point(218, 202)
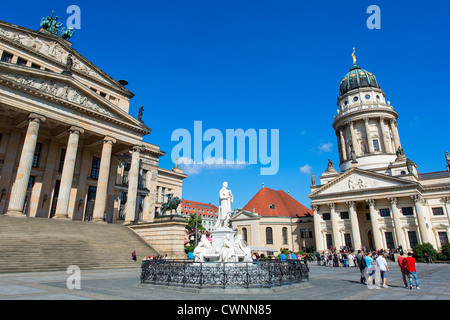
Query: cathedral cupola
point(365, 124)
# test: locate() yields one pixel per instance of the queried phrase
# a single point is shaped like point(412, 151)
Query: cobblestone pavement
point(325, 284)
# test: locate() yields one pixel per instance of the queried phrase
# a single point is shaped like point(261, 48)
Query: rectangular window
point(443, 238)
point(37, 154)
point(310, 233)
point(6, 57)
point(385, 212)
point(21, 62)
point(407, 211)
point(326, 216)
point(302, 233)
point(31, 183)
point(389, 240)
point(344, 215)
point(35, 66)
point(438, 211)
point(61, 160)
point(95, 169)
point(412, 236)
point(376, 145)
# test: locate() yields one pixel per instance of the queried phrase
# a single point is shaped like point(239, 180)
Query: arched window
point(269, 235)
point(244, 234)
point(285, 236)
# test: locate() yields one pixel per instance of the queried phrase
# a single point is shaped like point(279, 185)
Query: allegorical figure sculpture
point(241, 249)
point(226, 199)
point(227, 253)
point(204, 247)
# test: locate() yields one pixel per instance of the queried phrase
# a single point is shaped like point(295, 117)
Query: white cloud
point(305, 169)
point(190, 167)
point(326, 147)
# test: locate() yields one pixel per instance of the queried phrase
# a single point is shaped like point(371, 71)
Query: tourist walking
point(361, 264)
point(384, 268)
point(411, 266)
point(403, 269)
point(370, 265)
point(133, 256)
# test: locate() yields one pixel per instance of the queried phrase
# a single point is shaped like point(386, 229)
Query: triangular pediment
point(244, 215)
point(66, 91)
point(358, 180)
point(55, 50)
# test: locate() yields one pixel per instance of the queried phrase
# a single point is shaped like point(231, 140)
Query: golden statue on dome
point(354, 57)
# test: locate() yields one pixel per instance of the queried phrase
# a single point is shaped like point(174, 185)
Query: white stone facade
point(379, 199)
point(68, 146)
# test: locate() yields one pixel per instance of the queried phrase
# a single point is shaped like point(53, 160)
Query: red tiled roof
point(285, 205)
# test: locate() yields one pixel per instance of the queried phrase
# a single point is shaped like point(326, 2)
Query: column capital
point(34, 117)
point(76, 130)
point(136, 148)
point(446, 200)
point(332, 205)
point(351, 204)
point(366, 120)
point(371, 202)
point(315, 207)
point(415, 197)
point(392, 200)
point(110, 140)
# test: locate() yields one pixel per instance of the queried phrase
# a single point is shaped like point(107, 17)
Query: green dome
point(358, 78)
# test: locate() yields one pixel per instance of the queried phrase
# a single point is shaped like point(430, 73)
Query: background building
point(207, 211)
point(68, 145)
point(273, 219)
point(379, 199)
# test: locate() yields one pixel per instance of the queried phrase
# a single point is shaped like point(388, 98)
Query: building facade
point(207, 211)
point(379, 199)
point(273, 219)
point(68, 146)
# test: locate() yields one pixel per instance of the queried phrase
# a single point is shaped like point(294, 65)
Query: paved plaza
point(325, 284)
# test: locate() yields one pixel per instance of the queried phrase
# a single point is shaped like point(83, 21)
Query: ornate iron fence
point(265, 273)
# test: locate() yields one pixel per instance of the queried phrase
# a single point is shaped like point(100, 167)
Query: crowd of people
point(372, 265)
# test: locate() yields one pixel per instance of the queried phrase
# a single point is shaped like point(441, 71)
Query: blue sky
point(266, 64)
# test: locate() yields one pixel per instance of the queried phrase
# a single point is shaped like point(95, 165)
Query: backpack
point(362, 263)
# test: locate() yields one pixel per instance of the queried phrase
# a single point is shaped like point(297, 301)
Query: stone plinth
point(164, 234)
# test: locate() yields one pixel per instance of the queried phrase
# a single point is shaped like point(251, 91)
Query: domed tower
point(366, 126)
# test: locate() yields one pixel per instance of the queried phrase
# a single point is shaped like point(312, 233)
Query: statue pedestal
point(218, 237)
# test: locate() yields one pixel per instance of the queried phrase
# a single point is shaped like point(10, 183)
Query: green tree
point(445, 253)
point(194, 222)
point(421, 249)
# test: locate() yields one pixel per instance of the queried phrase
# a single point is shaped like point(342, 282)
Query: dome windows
point(355, 99)
point(367, 97)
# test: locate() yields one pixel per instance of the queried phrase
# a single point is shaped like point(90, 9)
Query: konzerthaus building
point(68, 146)
point(379, 199)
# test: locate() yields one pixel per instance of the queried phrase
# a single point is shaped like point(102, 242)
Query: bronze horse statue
point(171, 204)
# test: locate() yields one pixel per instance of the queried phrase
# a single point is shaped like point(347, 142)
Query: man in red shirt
point(411, 266)
point(402, 264)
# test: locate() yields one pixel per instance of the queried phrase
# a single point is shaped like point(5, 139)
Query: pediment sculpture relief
point(60, 90)
point(48, 48)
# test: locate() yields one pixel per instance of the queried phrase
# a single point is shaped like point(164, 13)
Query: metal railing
point(259, 274)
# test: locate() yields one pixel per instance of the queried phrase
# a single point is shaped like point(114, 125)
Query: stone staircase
point(37, 244)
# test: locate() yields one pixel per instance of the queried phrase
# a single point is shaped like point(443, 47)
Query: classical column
point(401, 241)
point(317, 228)
point(368, 135)
point(446, 201)
point(133, 179)
point(103, 178)
point(335, 226)
point(375, 227)
point(421, 219)
point(67, 173)
point(383, 136)
point(353, 136)
point(343, 147)
point(355, 225)
point(393, 127)
point(19, 189)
